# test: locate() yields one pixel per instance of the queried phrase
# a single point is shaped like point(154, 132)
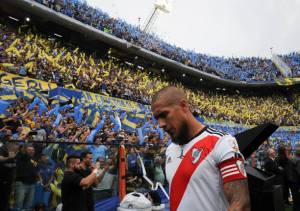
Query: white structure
point(160, 6)
point(135, 202)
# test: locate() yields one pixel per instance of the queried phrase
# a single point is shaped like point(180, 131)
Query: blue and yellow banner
point(24, 83)
point(29, 86)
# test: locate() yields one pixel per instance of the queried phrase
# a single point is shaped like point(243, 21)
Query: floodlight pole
point(160, 6)
point(151, 20)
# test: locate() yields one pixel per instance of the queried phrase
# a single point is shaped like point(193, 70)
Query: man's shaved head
point(171, 95)
point(171, 109)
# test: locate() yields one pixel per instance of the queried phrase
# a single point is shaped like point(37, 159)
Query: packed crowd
point(279, 160)
point(47, 59)
point(46, 125)
point(244, 69)
point(31, 174)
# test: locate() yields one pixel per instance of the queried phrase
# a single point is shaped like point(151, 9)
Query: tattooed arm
point(237, 194)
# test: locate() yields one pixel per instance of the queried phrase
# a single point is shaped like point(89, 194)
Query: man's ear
point(184, 105)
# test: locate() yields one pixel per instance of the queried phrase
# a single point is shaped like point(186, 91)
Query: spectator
point(295, 185)
point(7, 172)
point(98, 150)
point(159, 175)
point(84, 171)
point(272, 168)
point(46, 173)
point(104, 189)
point(26, 178)
point(74, 196)
point(282, 160)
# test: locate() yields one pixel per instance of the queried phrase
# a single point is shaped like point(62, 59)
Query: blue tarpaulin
point(110, 204)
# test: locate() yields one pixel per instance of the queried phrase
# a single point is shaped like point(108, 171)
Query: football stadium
point(100, 114)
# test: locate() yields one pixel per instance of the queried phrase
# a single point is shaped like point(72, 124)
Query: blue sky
point(217, 27)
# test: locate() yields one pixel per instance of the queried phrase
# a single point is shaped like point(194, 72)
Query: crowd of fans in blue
point(242, 69)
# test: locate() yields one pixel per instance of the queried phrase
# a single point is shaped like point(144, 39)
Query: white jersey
point(197, 171)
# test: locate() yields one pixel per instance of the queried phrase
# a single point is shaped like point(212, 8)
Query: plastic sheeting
point(109, 204)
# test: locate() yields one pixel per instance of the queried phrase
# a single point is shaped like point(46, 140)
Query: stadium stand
point(242, 69)
point(49, 60)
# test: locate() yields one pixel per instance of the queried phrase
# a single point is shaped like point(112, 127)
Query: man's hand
point(97, 165)
point(237, 194)
point(11, 155)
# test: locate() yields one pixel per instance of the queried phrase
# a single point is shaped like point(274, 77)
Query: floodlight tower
point(160, 6)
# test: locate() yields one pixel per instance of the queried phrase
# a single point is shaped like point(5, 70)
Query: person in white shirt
point(204, 167)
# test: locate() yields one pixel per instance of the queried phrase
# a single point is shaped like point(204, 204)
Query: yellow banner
point(287, 81)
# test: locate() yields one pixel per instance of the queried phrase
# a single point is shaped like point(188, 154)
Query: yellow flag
point(105, 73)
point(29, 55)
point(15, 42)
point(109, 65)
point(78, 69)
point(102, 63)
point(29, 66)
point(115, 80)
point(126, 72)
point(7, 65)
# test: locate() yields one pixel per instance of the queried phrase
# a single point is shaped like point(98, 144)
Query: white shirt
point(196, 178)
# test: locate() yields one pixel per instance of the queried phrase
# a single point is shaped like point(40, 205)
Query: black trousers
point(295, 188)
point(5, 190)
point(102, 194)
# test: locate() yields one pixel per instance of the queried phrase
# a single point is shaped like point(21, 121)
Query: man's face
point(102, 162)
point(76, 164)
point(172, 119)
point(98, 141)
point(88, 159)
point(44, 159)
point(273, 153)
point(30, 151)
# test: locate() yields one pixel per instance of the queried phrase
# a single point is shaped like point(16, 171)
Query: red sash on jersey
point(186, 168)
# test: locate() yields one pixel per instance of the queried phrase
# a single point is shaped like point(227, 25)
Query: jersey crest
point(196, 154)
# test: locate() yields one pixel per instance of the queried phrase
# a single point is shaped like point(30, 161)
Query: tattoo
point(237, 194)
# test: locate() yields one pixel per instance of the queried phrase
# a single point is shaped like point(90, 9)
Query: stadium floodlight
point(200, 79)
point(183, 75)
point(160, 6)
point(13, 18)
point(163, 70)
point(27, 19)
point(58, 35)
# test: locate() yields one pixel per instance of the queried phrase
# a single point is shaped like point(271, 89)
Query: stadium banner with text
point(24, 83)
point(114, 103)
point(16, 82)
